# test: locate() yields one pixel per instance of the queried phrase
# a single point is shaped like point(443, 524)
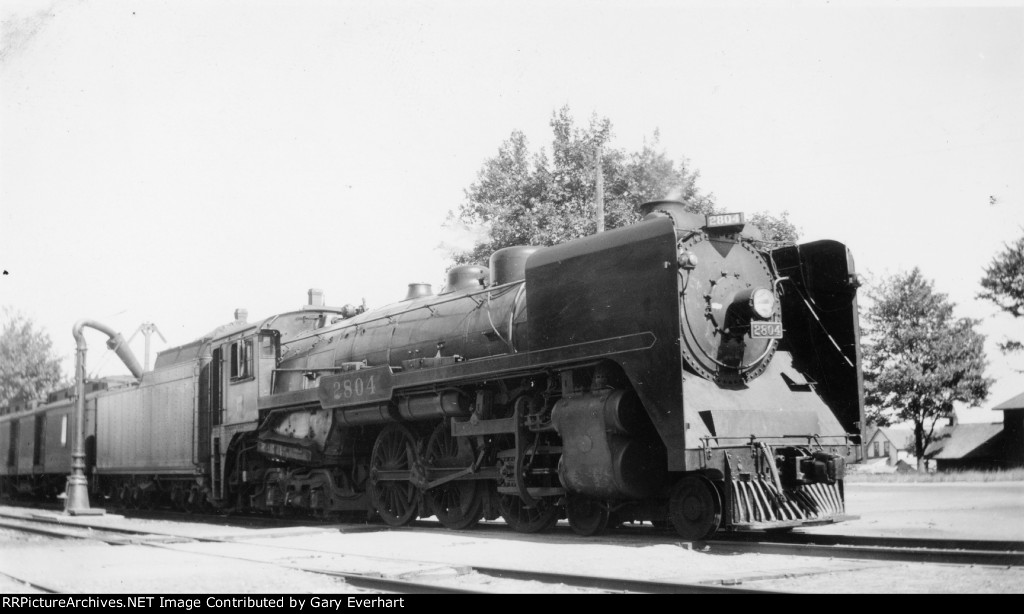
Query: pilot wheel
point(586, 516)
point(695, 508)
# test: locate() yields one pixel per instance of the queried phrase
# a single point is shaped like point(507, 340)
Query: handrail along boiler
point(680, 370)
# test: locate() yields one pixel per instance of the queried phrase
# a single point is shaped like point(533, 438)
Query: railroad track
point(854, 548)
point(871, 548)
point(423, 578)
point(914, 550)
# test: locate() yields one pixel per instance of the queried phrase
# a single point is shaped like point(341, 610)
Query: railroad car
point(681, 371)
point(36, 440)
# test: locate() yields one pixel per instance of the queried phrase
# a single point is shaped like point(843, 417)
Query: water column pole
point(77, 501)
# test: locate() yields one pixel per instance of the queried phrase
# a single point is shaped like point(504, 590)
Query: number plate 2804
point(355, 387)
point(766, 330)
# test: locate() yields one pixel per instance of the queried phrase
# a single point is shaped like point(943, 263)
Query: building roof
point(966, 441)
point(1016, 402)
point(900, 438)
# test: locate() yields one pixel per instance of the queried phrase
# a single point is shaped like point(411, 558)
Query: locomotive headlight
point(762, 302)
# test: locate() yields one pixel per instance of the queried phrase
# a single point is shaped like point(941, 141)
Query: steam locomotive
point(680, 371)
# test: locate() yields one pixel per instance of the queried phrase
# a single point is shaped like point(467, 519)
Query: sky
point(168, 162)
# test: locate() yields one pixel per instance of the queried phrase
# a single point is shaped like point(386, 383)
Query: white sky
point(171, 161)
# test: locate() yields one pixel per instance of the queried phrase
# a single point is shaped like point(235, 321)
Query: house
point(967, 446)
point(892, 444)
point(983, 446)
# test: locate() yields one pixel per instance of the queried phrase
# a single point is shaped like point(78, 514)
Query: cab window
point(241, 360)
point(267, 349)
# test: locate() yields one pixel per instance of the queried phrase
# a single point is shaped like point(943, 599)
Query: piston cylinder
point(600, 456)
point(624, 414)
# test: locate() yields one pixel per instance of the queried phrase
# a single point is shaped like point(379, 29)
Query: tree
point(28, 366)
point(919, 359)
point(774, 228)
point(523, 198)
point(1003, 284)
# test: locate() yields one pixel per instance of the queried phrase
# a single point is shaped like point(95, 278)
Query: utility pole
point(600, 190)
point(147, 329)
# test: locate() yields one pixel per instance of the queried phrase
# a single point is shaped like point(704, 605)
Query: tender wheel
point(459, 504)
point(695, 508)
point(122, 496)
point(147, 498)
point(391, 465)
point(134, 497)
point(586, 516)
point(178, 496)
point(192, 503)
point(524, 519)
point(205, 505)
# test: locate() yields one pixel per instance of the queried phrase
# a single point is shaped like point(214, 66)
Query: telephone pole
point(147, 329)
point(600, 190)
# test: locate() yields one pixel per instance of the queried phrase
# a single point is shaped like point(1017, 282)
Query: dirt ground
point(955, 510)
point(257, 557)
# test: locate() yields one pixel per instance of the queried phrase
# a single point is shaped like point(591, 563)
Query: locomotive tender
point(677, 370)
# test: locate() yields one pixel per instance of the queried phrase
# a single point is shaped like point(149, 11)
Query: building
point(968, 446)
point(891, 444)
point(983, 446)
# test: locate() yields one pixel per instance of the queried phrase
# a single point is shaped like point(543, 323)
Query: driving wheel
point(391, 465)
point(457, 504)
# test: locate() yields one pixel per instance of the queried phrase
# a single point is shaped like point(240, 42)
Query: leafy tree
point(28, 366)
point(1003, 284)
point(919, 359)
point(524, 198)
point(774, 228)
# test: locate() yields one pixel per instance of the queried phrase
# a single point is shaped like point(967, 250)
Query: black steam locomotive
point(679, 370)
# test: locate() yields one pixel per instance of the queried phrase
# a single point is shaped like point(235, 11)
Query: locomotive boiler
point(680, 371)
